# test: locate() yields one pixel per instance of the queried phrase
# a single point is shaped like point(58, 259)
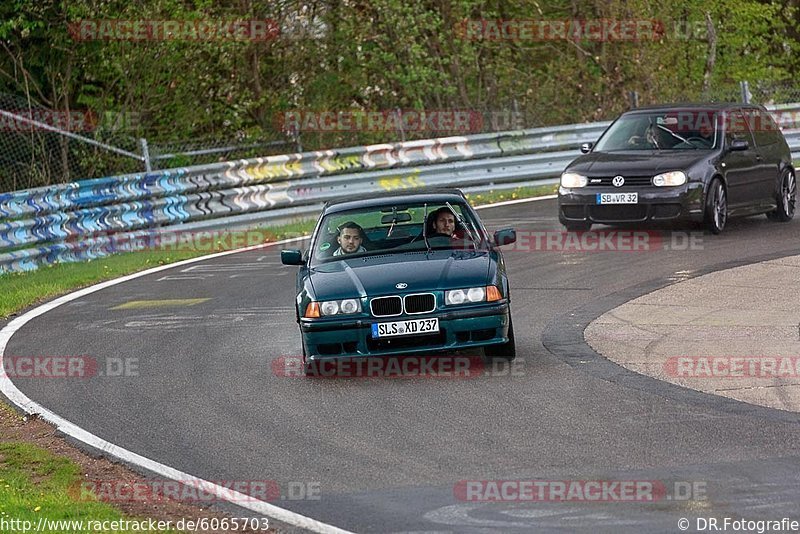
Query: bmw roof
point(434, 196)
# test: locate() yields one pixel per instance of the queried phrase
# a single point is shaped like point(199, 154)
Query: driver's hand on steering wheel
point(636, 140)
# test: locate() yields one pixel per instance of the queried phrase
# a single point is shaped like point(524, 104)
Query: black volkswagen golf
point(699, 162)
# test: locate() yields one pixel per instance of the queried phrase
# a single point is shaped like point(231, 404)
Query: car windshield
point(399, 228)
point(664, 130)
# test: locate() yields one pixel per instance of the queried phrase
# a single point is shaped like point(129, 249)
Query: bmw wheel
point(309, 368)
point(578, 226)
point(503, 352)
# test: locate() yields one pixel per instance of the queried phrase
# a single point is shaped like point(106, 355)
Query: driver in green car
point(443, 223)
point(350, 237)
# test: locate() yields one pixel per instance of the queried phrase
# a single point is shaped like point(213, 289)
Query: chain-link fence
point(767, 93)
point(165, 155)
point(41, 146)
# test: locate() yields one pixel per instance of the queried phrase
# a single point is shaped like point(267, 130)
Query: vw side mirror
point(737, 145)
point(586, 148)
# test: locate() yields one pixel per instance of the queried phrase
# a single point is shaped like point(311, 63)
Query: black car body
point(699, 162)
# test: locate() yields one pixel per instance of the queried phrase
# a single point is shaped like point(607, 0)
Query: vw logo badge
point(401, 285)
point(618, 181)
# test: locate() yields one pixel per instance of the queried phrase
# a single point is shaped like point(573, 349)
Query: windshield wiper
point(425, 228)
point(676, 136)
point(463, 225)
point(650, 135)
point(394, 221)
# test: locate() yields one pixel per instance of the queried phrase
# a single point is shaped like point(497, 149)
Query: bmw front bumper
point(465, 328)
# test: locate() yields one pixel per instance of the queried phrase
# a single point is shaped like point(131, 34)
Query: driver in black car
point(706, 134)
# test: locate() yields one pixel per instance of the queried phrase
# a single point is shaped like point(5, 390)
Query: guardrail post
point(145, 154)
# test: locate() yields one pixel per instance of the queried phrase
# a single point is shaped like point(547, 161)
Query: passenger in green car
point(350, 237)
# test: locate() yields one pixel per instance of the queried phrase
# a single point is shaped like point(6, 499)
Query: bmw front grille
point(395, 305)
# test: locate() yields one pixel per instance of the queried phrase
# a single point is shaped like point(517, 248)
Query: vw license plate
point(617, 198)
point(405, 328)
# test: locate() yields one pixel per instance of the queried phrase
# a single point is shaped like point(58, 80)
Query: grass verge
point(44, 480)
point(38, 488)
point(490, 197)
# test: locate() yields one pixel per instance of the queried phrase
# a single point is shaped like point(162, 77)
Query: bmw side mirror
point(737, 145)
point(586, 148)
point(506, 236)
point(292, 257)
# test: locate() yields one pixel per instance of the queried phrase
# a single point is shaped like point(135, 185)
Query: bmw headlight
point(456, 296)
point(340, 307)
point(571, 179)
point(470, 295)
point(669, 178)
point(350, 306)
point(330, 307)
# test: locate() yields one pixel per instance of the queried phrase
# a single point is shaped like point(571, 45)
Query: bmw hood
point(379, 275)
point(636, 162)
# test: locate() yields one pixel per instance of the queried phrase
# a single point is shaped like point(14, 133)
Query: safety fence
point(93, 218)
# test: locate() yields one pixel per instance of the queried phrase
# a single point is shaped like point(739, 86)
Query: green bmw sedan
point(405, 273)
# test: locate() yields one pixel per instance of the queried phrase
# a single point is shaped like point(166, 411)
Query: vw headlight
point(669, 178)
point(570, 179)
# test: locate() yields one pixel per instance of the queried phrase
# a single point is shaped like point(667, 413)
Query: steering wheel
point(703, 141)
point(640, 141)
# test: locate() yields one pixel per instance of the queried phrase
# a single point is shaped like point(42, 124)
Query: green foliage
point(378, 55)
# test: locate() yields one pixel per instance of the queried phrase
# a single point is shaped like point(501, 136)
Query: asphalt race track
point(386, 454)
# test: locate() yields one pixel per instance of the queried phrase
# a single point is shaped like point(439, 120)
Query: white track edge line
point(517, 201)
point(68, 428)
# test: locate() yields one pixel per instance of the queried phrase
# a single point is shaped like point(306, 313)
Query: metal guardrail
point(92, 218)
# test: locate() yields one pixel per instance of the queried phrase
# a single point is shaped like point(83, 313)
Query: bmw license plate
point(405, 328)
point(617, 198)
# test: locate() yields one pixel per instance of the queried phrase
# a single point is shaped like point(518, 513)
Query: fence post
point(297, 141)
point(145, 154)
point(400, 124)
point(633, 96)
point(744, 87)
